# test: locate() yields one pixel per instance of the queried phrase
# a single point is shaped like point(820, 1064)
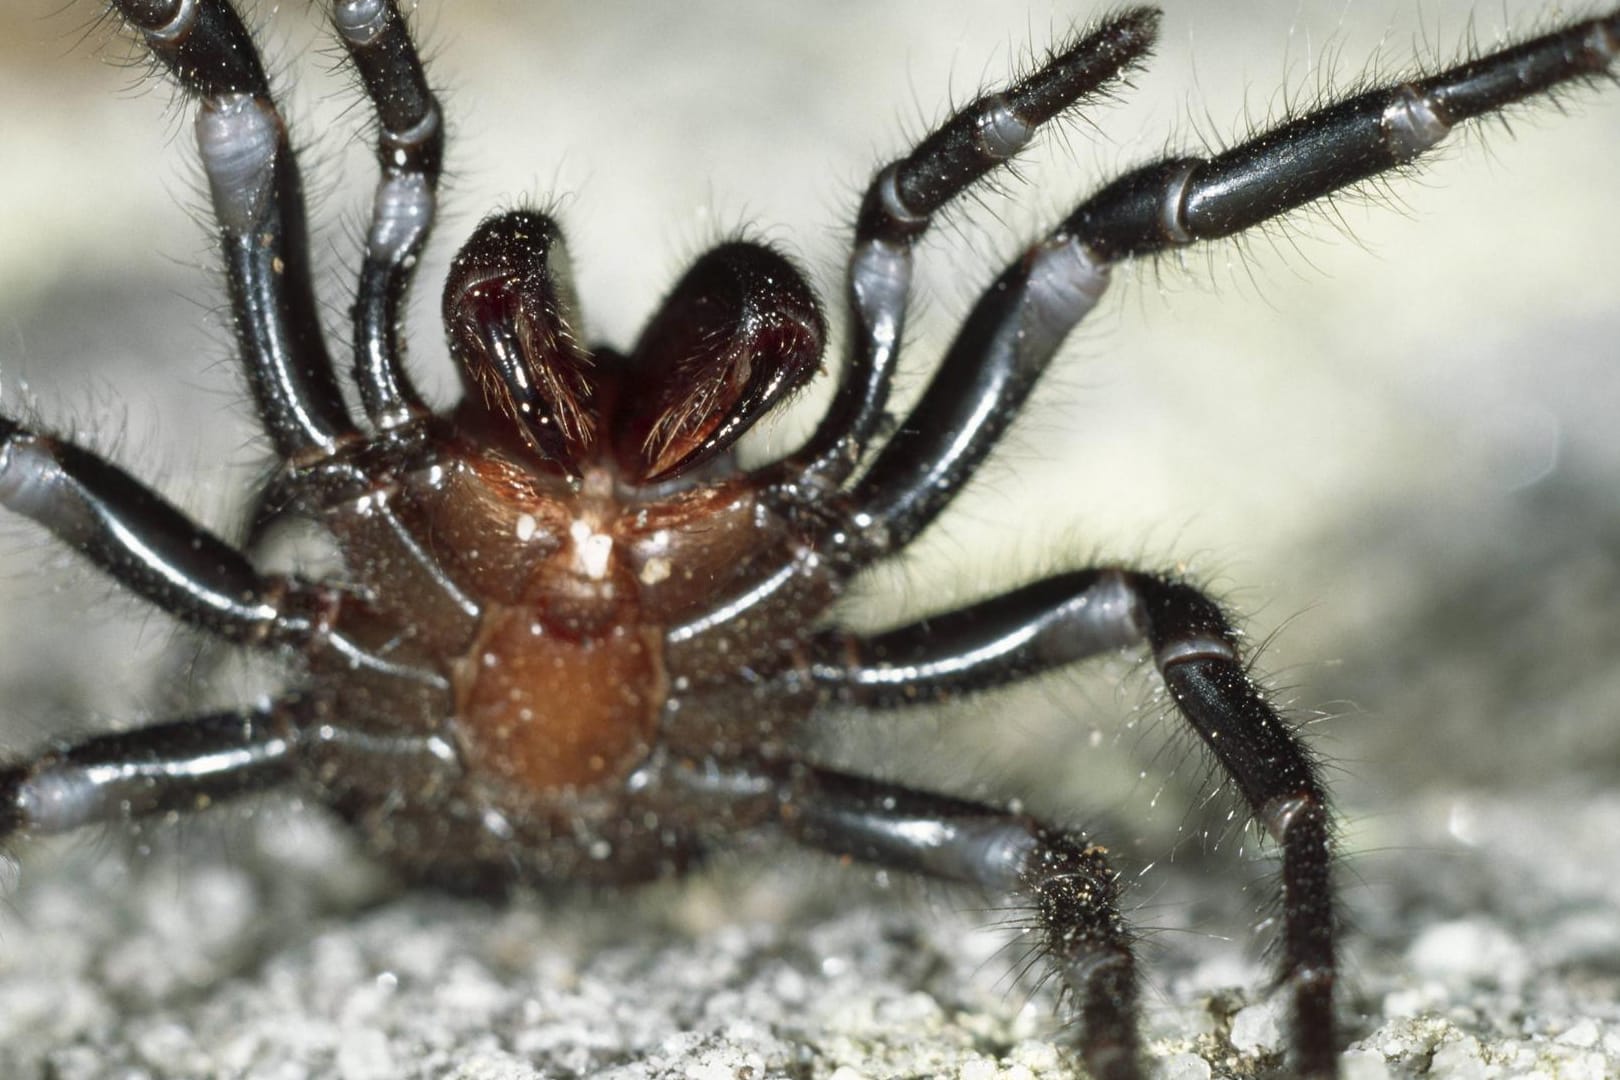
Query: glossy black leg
point(1002, 349)
point(410, 152)
point(147, 545)
point(184, 766)
point(1072, 892)
point(1019, 634)
point(177, 767)
point(1196, 650)
point(899, 206)
point(258, 203)
point(1023, 318)
point(1068, 617)
point(132, 534)
point(1185, 200)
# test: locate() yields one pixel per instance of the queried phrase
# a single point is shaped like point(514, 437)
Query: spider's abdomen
point(543, 711)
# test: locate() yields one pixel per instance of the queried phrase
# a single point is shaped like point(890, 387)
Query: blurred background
point(1383, 432)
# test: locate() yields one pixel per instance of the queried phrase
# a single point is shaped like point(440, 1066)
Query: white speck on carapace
point(592, 549)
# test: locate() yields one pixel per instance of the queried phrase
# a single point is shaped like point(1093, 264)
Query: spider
point(573, 637)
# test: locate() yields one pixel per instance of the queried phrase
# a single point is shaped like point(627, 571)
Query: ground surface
point(279, 959)
point(1398, 448)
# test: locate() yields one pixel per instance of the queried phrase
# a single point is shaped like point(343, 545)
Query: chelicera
point(573, 638)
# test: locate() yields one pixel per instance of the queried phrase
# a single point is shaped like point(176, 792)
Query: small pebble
point(1474, 949)
point(1362, 1065)
point(1583, 1034)
point(1457, 1059)
point(363, 1054)
point(1255, 1030)
point(1184, 1067)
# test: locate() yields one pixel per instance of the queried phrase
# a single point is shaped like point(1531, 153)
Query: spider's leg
point(147, 545)
point(1022, 319)
point(1018, 634)
point(1065, 879)
point(410, 150)
point(1018, 325)
point(258, 202)
point(897, 210)
point(1066, 618)
point(175, 767)
point(1184, 200)
point(187, 765)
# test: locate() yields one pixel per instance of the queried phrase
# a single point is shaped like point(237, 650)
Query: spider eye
point(510, 312)
point(740, 332)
